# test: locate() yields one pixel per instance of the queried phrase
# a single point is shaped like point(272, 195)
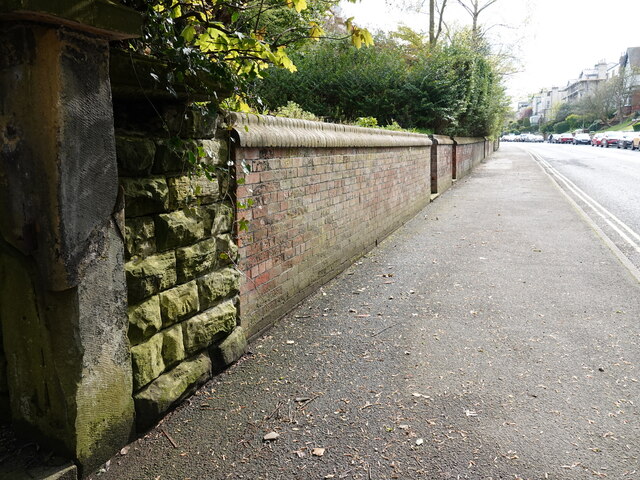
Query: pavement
point(494, 336)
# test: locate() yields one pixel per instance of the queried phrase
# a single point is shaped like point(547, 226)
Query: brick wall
point(322, 198)
point(441, 163)
point(468, 152)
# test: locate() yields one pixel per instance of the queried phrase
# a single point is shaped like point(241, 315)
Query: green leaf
point(189, 33)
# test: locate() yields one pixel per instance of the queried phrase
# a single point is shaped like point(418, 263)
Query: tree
point(475, 8)
point(239, 39)
point(434, 7)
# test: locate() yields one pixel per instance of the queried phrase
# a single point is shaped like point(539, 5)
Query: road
point(604, 183)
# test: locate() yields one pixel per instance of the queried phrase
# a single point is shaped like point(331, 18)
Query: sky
point(553, 40)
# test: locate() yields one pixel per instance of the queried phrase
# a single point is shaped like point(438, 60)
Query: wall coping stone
point(467, 140)
point(441, 139)
point(102, 17)
point(254, 130)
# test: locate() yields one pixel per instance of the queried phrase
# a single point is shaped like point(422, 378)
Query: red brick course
point(315, 210)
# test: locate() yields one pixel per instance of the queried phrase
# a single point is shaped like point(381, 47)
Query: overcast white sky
point(554, 39)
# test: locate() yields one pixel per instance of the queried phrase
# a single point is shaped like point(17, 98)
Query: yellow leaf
point(315, 32)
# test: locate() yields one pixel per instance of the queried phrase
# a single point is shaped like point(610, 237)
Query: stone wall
point(322, 196)
point(5, 415)
point(179, 249)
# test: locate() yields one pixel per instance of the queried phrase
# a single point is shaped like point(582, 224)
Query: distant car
point(610, 139)
point(565, 138)
point(582, 139)
point(626, 141)
point(596, 140)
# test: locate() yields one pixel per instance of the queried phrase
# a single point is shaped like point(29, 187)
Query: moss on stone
point(196, 260)
point(178, 229)
point(179, 303)
point(149, 276)
point(218, 285)
point(201, 331)
point(145, 320)
point(147, 361)
point(170, 388)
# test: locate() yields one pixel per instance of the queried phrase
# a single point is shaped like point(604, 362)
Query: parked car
point(582, 139)
point(596, 139)
point(610, 139)
point(565, 138)
point(627, 139)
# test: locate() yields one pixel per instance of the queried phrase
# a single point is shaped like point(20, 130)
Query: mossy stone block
point(173, 158)
point(179, 303)
point(154, 400)
point(201, 331)
point(227, 249)
point(188, 190)
point(135, 155)
point(149, 276)
point(196, 260)
point(139, 237)
point(172, 346)
point(144, 196)
point(145, 320)
point(223, 220)
point(216, 286)
point(147, 361)
point(230, 349)
point(178, 229)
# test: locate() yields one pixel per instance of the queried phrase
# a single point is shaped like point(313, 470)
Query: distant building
point(631, 60)
point(586, 82)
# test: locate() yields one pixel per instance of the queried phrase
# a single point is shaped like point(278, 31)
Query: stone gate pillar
point(62, 284)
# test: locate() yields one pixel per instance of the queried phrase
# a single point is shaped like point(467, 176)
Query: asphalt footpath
point(494, 336)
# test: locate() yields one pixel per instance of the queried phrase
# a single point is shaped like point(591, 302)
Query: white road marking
point(551, 172)
point(621, 228)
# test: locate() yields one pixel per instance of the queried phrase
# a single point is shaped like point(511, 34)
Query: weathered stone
point(218, 285)
point(151, 275)
point(179, 303)
point(208, 214)
point(196, 260)
point(201, 331)
point(145, 320)
point(172, 346)
point(139, 237)
point(194, 123)
point(144, 196)
point(216, 152)
point(172, 157)
point(147, 361)
point(170, 388)
point(178, 229)
point(135, 155)
point(185, 191)
point(227, 249)
point(223, 220)
point(230, 349)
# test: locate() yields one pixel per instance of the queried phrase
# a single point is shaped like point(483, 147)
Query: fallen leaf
point(318, 452)
point(271, 436)
point(124, 450)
